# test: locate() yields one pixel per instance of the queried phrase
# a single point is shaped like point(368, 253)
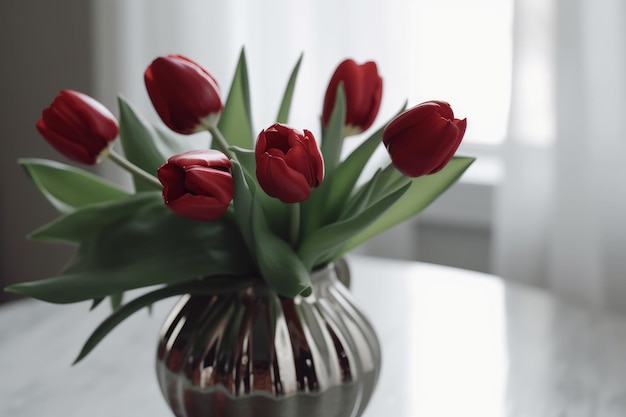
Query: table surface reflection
point(455, 343)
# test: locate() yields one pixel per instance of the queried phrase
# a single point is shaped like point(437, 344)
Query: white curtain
point(130, 34)
point(561, 212)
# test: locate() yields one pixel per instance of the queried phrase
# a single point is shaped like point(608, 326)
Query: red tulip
point(183, 93)
point(363, 89)
point(197, 184)
point(288, 163)
point(424, 138)
point(78, 126)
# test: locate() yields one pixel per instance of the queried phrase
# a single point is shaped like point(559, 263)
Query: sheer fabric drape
point(561, 210)
point(274, 33)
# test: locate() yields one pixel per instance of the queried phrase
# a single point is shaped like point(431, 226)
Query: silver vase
point(253, 353)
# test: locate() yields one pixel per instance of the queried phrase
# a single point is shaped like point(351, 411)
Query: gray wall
point(45, 47)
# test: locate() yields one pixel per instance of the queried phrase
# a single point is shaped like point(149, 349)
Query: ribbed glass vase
point(253, 353)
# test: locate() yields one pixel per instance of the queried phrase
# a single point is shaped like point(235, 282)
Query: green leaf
point(116, 300)
point(139, 142)
point(390, 179)
point(242, 201)
point(314, 208)
point(148, 246)
point(383, 183)
point(213, 285)
point(422, 191)
point(90, 221)
point(277, 213)
point(236, 119)
point(342, 181)
point(285, 105)
point(246, 159)
point(95, 303)
point(322, 245)
point(332, 135)
point(275, 258)
point(362, 198)
point(279, 264)
point(68, 188)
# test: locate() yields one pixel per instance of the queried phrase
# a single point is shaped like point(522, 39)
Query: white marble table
point(455, 343)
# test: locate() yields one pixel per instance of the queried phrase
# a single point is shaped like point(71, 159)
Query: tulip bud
point(288, 163)
point(78, 126)
point(197, 185)
point(184, 94)
point(363, 89)
point(424, 138)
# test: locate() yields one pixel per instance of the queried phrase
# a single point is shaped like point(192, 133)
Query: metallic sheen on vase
point(254, 353)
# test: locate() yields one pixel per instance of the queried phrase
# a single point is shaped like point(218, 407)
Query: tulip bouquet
point(271, 205)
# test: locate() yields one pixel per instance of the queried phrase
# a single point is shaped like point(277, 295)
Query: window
point(463, 53)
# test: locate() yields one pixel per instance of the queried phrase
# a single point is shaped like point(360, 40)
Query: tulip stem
point(220, 139)
point(134, 169)
point(295, 224)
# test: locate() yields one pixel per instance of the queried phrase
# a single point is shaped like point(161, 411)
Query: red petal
point(280, 181)
point(416, 154)
point(209, 182)
point(93, 114)
point(316, 159)
point(182, 92)
point(200, 208)
point(172, 177)
point(65, 147)
point(205, 157)
point(344, 69)
point(409, 119)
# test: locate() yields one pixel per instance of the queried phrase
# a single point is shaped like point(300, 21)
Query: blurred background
point(540, 81)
